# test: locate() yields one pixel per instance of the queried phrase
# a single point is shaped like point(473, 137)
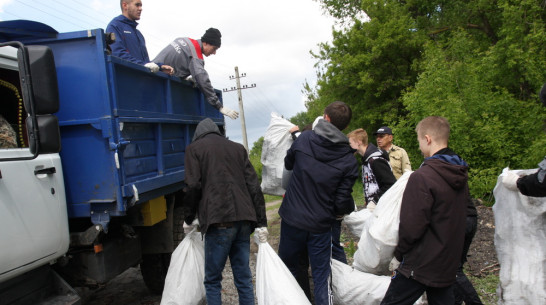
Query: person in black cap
point(185, 55)
point(398, 157)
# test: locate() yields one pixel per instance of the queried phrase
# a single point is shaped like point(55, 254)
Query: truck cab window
point(12, 113)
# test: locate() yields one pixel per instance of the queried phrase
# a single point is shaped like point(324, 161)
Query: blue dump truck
point(93, 184)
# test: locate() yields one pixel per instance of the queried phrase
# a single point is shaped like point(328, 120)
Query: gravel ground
point(129, 289)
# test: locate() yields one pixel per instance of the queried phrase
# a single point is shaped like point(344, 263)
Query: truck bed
point(123, 129)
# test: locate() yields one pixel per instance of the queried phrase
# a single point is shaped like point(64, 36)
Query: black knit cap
point(212, 36)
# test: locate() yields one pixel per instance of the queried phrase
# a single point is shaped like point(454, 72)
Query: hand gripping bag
point(277, 140)
point(275, 284)
point(184, 281)
point(380, 233)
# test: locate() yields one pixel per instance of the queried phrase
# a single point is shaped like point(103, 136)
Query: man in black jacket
point(223, 189)
point(323, 174)
point(432, 221)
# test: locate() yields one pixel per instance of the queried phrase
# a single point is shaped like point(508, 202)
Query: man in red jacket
point(432, 221)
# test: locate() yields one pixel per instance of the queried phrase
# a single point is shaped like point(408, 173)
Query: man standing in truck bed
point(186, 56)
point(129, 43)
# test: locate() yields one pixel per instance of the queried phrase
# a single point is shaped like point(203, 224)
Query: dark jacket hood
point(328, 143)
point(204, 128)
point(329, 131)
point(451, 167)
point(375, 151)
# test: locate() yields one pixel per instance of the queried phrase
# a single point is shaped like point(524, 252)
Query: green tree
point(255, 156)
point(478, 63)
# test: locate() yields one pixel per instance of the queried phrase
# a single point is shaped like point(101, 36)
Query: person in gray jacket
point(185, 55)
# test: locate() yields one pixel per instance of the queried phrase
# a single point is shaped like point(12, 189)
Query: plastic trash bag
point(353, 287)
point(355, 221)
point(275, 284)
point(520, 241)
point(184, 282)
point(277, 140)
point(380, 232)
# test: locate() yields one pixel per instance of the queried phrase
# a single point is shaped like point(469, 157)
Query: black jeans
point(463, 289)
point(405, 291)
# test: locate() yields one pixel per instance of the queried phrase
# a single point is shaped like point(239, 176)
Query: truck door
point(33, 215)
point(32, 211)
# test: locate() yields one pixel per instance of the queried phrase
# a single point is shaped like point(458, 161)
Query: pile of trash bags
point(364, 283)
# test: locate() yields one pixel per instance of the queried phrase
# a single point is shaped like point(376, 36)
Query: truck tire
point(154, 267)
point(178, 226)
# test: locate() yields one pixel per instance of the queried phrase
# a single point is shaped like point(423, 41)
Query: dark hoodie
point(433, 220)
point(222, 185)
point(324, 171)
point(377, 176)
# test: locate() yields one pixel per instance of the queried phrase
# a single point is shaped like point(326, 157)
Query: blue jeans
point(319, 246)
point(232, 242)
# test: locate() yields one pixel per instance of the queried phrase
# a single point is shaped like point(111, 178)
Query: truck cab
point(93, 184)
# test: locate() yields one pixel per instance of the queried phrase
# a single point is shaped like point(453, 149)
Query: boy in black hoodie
point(432, 221)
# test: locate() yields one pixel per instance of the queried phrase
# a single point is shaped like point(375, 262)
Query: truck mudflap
point(41, 286)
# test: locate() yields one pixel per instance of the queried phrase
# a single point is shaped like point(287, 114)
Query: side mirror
point(44, 92)
point(49, 135)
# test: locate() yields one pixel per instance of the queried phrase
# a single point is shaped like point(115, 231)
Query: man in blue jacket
point(129, 43)
point(324, 171)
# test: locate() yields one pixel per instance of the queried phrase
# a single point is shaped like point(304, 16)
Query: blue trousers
point(338, 252)
point(221, 243)
point(293, 242)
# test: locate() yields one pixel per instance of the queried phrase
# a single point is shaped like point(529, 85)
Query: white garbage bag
point(184, 281)
point(355, 221)
point(277, 140)
point(380, 234)
point(520, 241)
point(275, 284)
point(353, 287)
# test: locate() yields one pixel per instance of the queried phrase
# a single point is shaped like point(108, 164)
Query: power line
point(49, 14)
point(80, 13)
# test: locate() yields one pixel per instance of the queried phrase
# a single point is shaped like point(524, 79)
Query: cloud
point(268, 40)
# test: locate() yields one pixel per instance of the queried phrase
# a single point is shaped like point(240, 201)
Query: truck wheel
point(154, 269)
point(178, 226)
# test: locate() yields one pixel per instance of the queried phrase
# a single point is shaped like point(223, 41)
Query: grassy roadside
point(485, 285)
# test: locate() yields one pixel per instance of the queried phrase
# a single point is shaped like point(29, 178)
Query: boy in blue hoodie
point(324, 171)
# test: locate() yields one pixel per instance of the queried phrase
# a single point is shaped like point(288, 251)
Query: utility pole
point(241, 109)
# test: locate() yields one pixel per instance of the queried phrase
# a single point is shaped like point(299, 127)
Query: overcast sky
point(269, 40)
